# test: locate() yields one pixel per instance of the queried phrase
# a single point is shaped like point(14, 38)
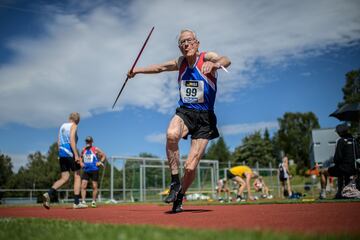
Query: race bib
point(192, 91)
point(88, 158)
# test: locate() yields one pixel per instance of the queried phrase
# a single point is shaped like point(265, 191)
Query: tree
point(33, 174)
point(5, 170)
point(294, 136)
point(351, 92)
point(255, 149)
point(269, 153)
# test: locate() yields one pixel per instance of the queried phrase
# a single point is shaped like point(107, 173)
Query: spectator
point(260, 186)
point(284, 177)
point(346, 153)
point(222, 187)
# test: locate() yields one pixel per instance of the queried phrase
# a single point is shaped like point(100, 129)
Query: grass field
point(40, 229)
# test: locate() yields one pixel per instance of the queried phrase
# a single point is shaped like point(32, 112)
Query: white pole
point(112, 180)
point(141, 183)
point(124, 181)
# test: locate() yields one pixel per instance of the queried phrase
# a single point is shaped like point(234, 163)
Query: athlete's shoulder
point(210, 56)
point(179, 61)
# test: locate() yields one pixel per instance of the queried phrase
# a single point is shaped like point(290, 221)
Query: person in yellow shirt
point(242, 175)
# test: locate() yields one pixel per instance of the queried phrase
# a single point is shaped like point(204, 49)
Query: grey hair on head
point(186, 30)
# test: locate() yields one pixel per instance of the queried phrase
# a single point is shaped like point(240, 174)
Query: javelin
point(132, 68)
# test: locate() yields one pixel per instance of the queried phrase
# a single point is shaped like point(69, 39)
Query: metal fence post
point(141, 183)
point(124, 181)
point(199, 178)
point(212, 181)
point(112, 180)
point(271, 180)
point(163, 176)
point(144, 172)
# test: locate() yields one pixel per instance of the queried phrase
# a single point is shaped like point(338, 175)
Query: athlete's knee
point(172, 136)
point(65, 177)
point(189, 168)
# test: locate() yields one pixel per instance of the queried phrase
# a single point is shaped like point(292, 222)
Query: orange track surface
point(305, 218)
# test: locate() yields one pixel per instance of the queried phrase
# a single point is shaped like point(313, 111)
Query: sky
point(57, 57)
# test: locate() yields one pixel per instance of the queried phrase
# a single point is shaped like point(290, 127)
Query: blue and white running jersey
point(197, 91)
point(90, 159)
point(65, 149)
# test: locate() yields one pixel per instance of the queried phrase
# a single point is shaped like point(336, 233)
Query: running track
point(341, 217)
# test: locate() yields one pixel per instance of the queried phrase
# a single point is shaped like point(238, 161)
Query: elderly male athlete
point(197, 87)
point(92, 158)
point(69, 160)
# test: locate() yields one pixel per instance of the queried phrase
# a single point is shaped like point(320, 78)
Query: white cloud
point(156, 138)
point(236, 129)
point(80, 61)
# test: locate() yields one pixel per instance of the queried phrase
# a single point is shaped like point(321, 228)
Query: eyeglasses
point(186, 41)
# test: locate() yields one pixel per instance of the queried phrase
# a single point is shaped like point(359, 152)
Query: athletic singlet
point(197, 91)
point(65, 149)
point(90, 159)
point(283, 171)
point(240, 170)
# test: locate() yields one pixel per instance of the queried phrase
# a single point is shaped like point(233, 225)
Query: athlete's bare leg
point(84, 184)
point(242, 185)
point(95, 190)
point(63, 179)
point(175, 132)
point(323, 178)
point(77, 182)
point(289, 186)
point(196, 152)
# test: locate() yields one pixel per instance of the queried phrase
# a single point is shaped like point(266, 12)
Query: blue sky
point(57, 57)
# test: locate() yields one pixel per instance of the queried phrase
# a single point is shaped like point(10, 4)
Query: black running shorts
point(229, 175)
point(93, 175)
point(282, 179)
point(68, 163)
point(334, 171)
point(201, 124)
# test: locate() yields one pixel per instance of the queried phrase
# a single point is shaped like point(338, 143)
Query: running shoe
point(177, 205)
point(322, 194)
point(79, 206)
point(46, 200)
point(174, 189)
point(93, 204)
point(240, 199)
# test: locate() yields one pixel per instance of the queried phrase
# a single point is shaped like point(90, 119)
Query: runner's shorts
point(68, 163)
point(201, 124)
point(229, 175)
point(93, 175)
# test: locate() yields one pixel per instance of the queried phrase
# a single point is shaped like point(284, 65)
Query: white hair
point(186, 30)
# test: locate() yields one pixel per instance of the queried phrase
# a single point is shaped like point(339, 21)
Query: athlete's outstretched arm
point(155, 68)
